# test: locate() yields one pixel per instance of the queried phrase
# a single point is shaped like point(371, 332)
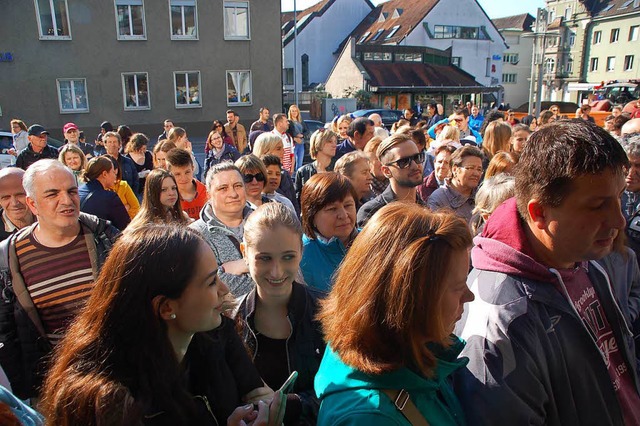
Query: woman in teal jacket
point(391, 348)
point(328, 203)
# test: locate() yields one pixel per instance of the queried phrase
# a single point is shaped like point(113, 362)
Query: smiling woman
point(277, 317)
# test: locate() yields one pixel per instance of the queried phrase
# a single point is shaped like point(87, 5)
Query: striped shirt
point(59, 281)
point(287, 158)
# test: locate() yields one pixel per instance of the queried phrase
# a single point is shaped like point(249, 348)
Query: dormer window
point(364, 37)
point(378, 34)
point(397, 13)
point(393, 31)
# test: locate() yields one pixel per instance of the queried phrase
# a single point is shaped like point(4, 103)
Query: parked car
point(389, 116)
point(619, 93)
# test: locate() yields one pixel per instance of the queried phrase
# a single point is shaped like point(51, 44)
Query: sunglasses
point(247, 178)
point(403, 163)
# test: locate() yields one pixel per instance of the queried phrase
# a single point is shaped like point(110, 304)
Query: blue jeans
point(298, 152)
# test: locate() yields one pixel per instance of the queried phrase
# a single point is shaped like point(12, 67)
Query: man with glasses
point(459, 192)
point(555, 109)
point(168, 125)
point(402, 165)
point(461, 118)
point(37, 148)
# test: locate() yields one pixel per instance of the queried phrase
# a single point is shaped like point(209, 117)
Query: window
point(567, 13)
point(239, 88)
point(287, 76)
point(549, 66)
point(408, 57)
point(593, 64)
point(488, 67)
point(511, 58)
point(53, 19)
point(611, 63)
point(510, 78)
point(378, 34)
point(572, 39)
point(633, 32)
point(393, 31)
point(377, 56)
point(135, 91)
point(184, 20)
point(72, 95)
point(187, 89)
point(236, 20)
point(597, 37)
point(456, 60)
point(364, 37)
point(628, 62)
point(130, 20)
point(451, 31)
point(615, 34)
point(569, 67)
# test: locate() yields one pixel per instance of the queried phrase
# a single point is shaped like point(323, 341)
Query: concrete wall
point(474, 53)
point(345, 74)
point(28, 84)
point(321, 37)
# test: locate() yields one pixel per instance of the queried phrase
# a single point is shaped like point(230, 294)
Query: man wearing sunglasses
point(461, 117)
point(402, 165)
point(37, 149)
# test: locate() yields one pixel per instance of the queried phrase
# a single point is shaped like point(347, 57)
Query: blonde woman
point(299, 130)
point(271, 144)
point(72, 156)
point(322, 149)
point(497, 137)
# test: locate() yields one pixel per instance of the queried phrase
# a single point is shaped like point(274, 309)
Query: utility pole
point(295, 53)
point(537, 63)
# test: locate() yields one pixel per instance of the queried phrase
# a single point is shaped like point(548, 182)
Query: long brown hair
point(378, 319)
point(116, 362)
point(152, 211)
point(497, 137)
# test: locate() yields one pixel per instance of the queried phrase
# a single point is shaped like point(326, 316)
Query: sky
point(494, 8)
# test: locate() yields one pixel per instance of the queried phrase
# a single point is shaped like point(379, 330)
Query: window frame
point(593, 64)
point(39, 21)
point(175, 89)
point(634, 30)
point(510, 78)
point(130, 3)
point(628, 62)
point(182, 4)
point(393, 32)
point(569, 68)
point(615, 35)
point(377, 35)
point(226, 75)
point(364, 37)
point(456, 60)
point(229, 3)
point(86, 93)
point(124, 91)
point(611, 64)
point(597, 37)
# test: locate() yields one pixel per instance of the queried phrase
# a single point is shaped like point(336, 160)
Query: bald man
point(15, 214)
point(631, 126)
point(379, 127)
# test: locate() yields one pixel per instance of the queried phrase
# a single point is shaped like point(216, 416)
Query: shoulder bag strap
point(82, 204)
point(401, 399)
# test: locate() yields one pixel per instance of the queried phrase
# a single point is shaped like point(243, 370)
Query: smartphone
point(287, 386)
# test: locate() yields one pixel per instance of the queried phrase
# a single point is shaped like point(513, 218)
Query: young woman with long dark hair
point(161, 202)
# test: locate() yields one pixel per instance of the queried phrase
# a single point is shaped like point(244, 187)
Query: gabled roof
point(520, 22)
point(557, 23)
point(304, 17)
point(404, 14)
point(610, 8)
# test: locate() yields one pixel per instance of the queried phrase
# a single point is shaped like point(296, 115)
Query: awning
point(577, 87)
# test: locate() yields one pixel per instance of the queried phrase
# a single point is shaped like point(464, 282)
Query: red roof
point(415, 74)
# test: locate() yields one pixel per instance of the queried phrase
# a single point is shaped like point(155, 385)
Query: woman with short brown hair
point(389, 327)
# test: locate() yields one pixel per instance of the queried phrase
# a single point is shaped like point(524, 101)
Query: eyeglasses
point(403, 163)
point(472, 168)
point(219, 126)
point(248, 178)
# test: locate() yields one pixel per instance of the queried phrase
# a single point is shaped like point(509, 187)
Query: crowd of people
point(451, 270)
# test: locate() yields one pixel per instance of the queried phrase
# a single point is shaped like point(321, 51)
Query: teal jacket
point(320, 260)
point(350, 397)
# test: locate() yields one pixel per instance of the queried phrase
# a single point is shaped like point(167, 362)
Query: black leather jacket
point(305, 345)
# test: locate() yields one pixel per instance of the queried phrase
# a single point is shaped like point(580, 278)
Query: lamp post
point(295, 53)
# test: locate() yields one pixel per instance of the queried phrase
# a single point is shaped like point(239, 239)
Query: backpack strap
point(402, 401)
